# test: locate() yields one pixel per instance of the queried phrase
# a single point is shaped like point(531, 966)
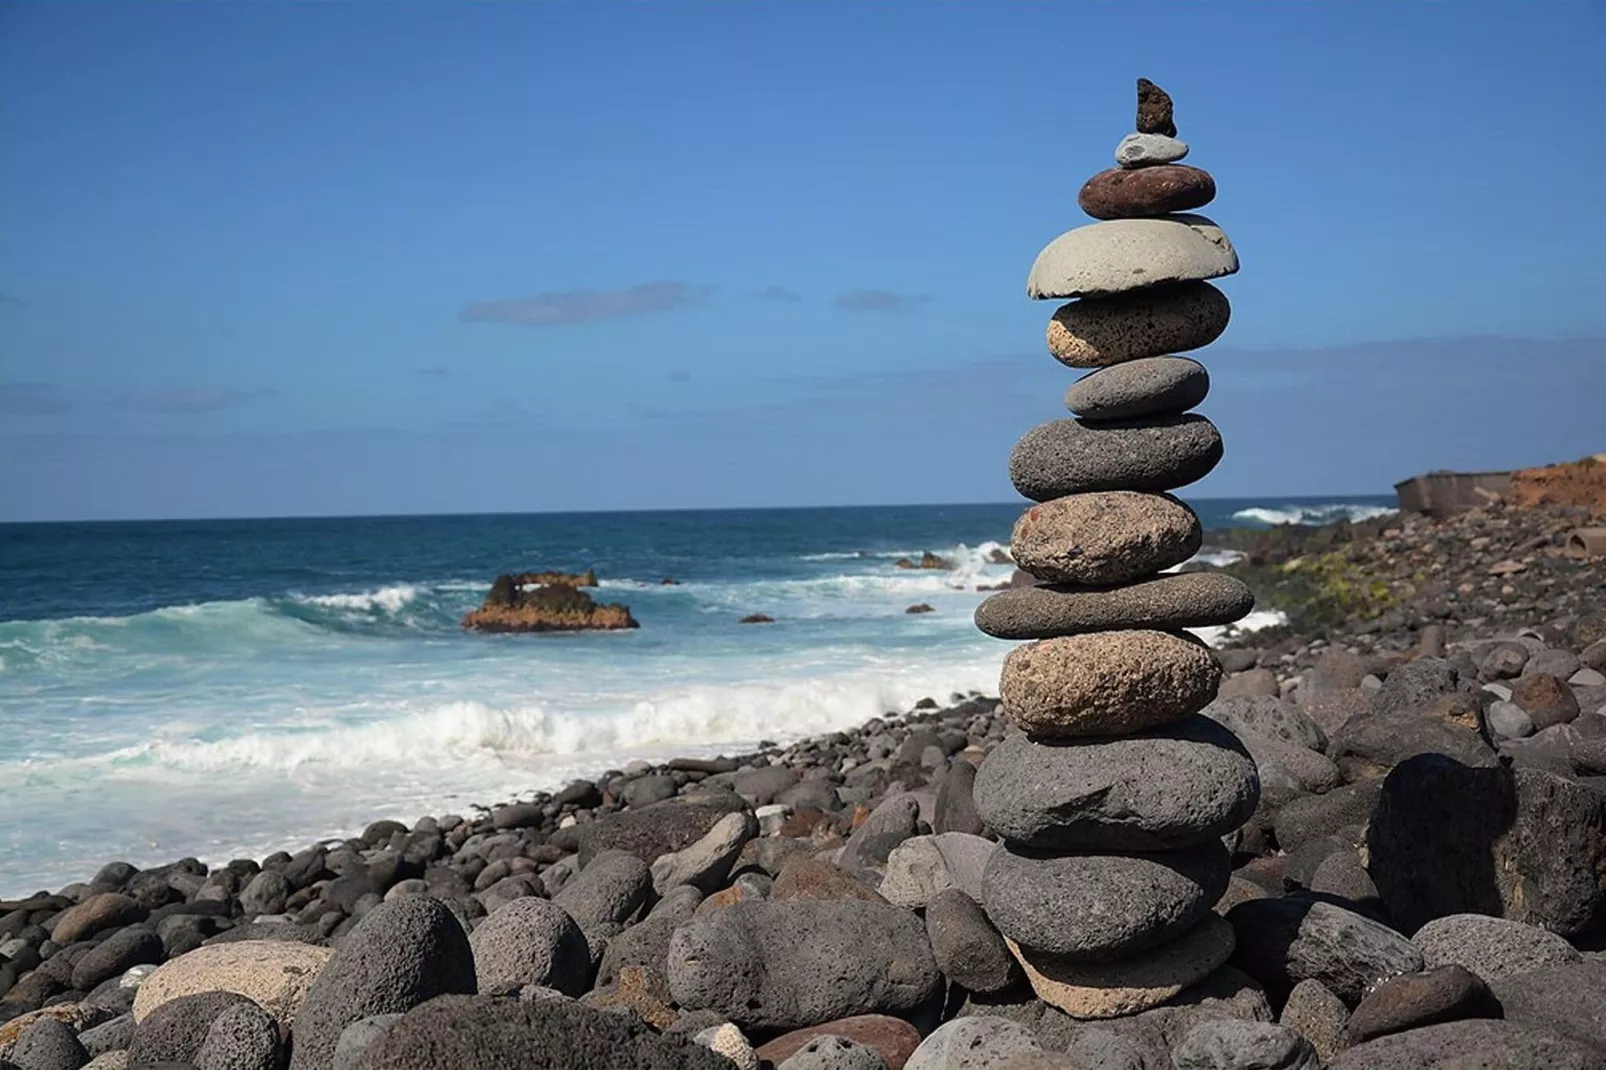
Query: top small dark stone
point(1154, 110)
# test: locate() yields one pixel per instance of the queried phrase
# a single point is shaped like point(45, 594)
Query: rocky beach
point(1373, 838)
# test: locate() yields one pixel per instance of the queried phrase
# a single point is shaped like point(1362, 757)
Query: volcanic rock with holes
point(1113, 797)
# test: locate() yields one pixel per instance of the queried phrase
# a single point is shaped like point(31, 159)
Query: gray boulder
point(266, 894)
point(531, 942)
point(922, 866)
point(895, 820)
point(661, 828)
point(1123, 903)
point(1468, 1045)
point(1493, 948)
point(1266, 716)
point(790, 964)
point(705, 864)
point(1571, 1000)
point(1311, 817)
point(1159, 790)
point(175, 1031)
point(358, 1037)
point(243, 1037)
point(49, 1044)
point(1284, 941)
point(972, 1044)
point(1233, 1045)
point(967, 949)
point(611, 888)
point(401, 954)
point(113, 956)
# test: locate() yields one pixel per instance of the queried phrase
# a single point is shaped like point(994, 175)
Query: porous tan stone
point(1107, 683)
point(1110, 536)
point(274, 973)
point(1096, 332)
point(1113, 989)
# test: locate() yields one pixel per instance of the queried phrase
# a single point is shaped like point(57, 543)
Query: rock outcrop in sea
point(546, 602)
point(1115, 795)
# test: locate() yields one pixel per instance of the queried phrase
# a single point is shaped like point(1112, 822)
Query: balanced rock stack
point(1114, 798)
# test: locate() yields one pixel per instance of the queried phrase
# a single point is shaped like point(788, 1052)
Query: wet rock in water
point(1441, 994)
point(1099, 332)
point(1106, 683)
point(1105, 537)
point(554, 608)
point(1281, 942)
point(1148, 386)
point(1232, 1045)
point(1478, 1042)
point(1492, 948)
point(1160, 790)
point(755, 963)
point(483, 1033)
point(1136, 193)
point(400, 955)
point(1160, 896)
point(531, 942)
point(1164, 603)
point(1157, 453)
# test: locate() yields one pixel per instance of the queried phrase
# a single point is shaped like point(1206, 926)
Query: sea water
point(229, 688)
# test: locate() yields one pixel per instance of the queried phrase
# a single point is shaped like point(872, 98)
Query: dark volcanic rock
point(1234, 1045)
point(133, 946)
point(1182, 600)
point(482, 1033)
point(956, 801)
point(1162, 453)
point(401, 954)
point(1371, 745)
point(1154, 110)
point(611, 888)
point(1475, 1044)
point(49, 1045)
point(243, 1037)
point(175, 1031)
point(1545, 699)
point(1122, 193)
point(1284, 941)
point(1492, 948)
point(968, 950)
point(672, 825)
point(108, 910)
point(1314, 816)
point(531, 942)
point(760, 964)
point(1442, 994)
point(1568, 999)
point(1144, 387)
point(1155, 791)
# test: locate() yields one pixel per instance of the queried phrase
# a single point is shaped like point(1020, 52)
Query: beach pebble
point(106, 910)
point(1230, 1045)
point(136, 945)
point(967, 949)
point(1106, 683)
point(922, 866)
point(1104, 537)
point(1164, 603)
point(1281, 942)
point(1569, 999)
point(531, 942)
point(1149, 150)
point(1316, 1014)
point(671, 825)
point(358, 1037)
point(1161, 790)
point(1148, 386)
point(1478, 1042)
point(1439, 994)
point(274, 974)
point(1492, 948)
point(706, 863)
point(1123, 903)
point(956, 801)
point(114, 1035)
point(756, 963)
point(889, 824)
point(1314, 816)
point(815, 878)
point(49, 1044)
point(266, 894)
point(831, 1052)
point(1098, 332)
point(892, 1039)
point(972, 1044)
point(610, 889)
point(728, 1041)
point(463, 1032)
point(175, 1031)
point(243, 1037)
point(1064, 457)
point(402, 954)
point(1126, 193)
point(1133, 984)
point(1508, 721)
point(1131, 254)
point(1266, 715)
point(1544, 698)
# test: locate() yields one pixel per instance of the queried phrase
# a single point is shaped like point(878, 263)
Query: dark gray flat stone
point(1182, 600)
point(1074, 456)
point(1146, 387)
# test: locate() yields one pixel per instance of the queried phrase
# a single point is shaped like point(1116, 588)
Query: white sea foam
point(1312, 514)
point(1217, 556)
point(391, 599)
point(1259, 620)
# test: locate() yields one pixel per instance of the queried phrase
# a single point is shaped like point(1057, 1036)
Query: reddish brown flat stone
point(894, 1038)
point(1136, 193)
point(813, 878)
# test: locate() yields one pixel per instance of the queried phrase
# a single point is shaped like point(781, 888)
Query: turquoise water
point(226, 688)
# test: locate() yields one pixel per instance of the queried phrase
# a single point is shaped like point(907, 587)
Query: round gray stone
point(1102, 906)
point(361, 1035)
point(49, 1044)
point(1104, 537)
point(1131, 254)
point(1475, 1043)
point(1493, 948)
point(972, 1044)
point(244, 1037)
point(968, 950)
point(1235, 1045)
point(1146, 150)
point(1162, 453)
point(1146, 387)
point(1097, 332)
point(832, 1052)
point(1284, 941)
point(531, 942)
point(1162, 790)
point(1164, 603)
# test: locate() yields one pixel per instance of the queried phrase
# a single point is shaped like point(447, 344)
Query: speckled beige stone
point(1131, 254)
point(1107, 536)
point(1107, 683)
point(276, 974)
point(1096, 332)
point(1113, 989)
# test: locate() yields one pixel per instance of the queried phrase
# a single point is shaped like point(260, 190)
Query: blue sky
point(278, 258)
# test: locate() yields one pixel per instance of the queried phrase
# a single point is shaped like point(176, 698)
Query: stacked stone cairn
point(1114, 797)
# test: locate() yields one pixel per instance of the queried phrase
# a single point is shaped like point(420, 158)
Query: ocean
point(227, 688)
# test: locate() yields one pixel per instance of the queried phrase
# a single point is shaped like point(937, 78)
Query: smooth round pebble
point(1128, 193)
point(1106, 683)
point(1105, 537)
point(972, 1043)
point(1131, 254)
point(1148, 150)
point(1148, 386)
point(1164, 603)
point(1229, 1044)
point(1159, 453)
point(1100, 332)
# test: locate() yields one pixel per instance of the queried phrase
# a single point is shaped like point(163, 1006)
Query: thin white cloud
point(563, 309)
